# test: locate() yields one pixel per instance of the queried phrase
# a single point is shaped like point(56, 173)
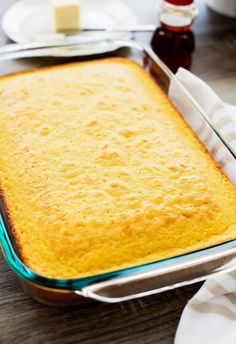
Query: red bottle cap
point(180, 2)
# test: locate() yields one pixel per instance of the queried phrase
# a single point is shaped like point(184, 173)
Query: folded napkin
point(210, 316)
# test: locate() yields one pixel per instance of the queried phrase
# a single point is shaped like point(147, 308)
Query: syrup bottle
point(174, 41)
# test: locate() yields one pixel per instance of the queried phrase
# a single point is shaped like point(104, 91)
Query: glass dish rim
point(74, 284)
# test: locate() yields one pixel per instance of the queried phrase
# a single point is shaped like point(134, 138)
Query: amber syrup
point(174, 41)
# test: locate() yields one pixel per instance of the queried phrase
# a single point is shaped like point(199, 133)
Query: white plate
point(227, 8)
point(28, 20)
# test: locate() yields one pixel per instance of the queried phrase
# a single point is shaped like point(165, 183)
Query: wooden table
point(149, 320)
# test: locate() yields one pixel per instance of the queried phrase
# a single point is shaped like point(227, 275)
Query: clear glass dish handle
point(162, 279)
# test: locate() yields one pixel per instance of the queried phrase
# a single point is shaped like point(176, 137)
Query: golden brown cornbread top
point(99, 172)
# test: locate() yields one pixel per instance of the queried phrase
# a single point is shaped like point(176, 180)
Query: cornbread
point(99, 172)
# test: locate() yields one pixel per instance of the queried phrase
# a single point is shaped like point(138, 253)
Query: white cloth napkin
point(210, 316)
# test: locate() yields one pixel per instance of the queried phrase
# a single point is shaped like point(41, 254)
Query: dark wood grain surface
point(145, 321)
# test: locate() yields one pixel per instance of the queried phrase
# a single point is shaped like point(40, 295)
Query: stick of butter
point(66, 15)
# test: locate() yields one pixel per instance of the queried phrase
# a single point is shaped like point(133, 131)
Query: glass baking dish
point(154, 277)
